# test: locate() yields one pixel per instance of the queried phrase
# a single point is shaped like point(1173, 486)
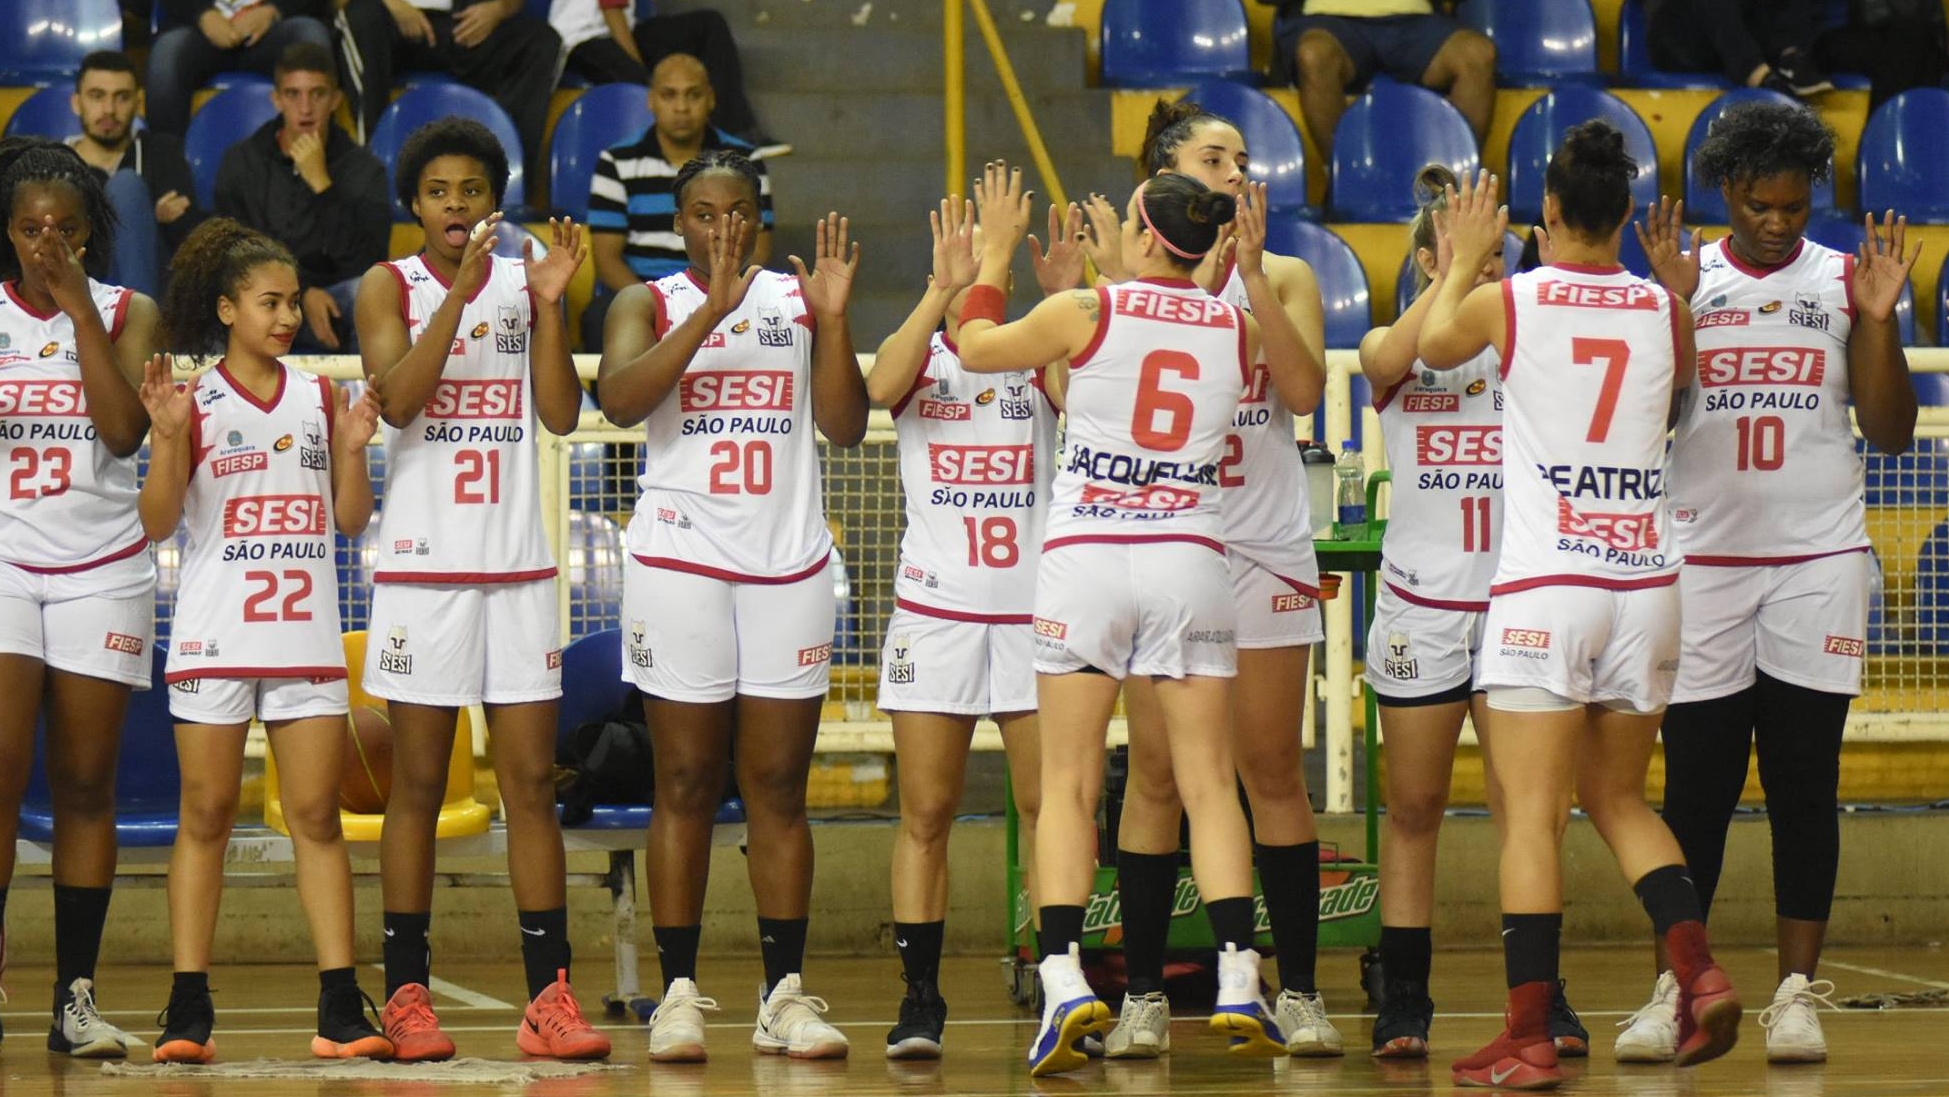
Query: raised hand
point(829, 286)
point(354, 424)
point(473, 258)
point(729, 278)
point(1059, 267)
point(1105, 243)
point(1475, 221)
point(167, 402)
point(1662, 235)
point(1882, 265)
point(1249, 230)
point(59, 266)
point(1004, 208)
point(549, 276)
point(955, 265)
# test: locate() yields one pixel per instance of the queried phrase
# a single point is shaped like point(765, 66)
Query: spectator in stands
point(148, 180)
point(485, 44)
point(303, 181)
point(632, 212)
point(1897, 43)
point(607, 45)
point(1332, 47)
point(1757, 43)
point(200, 39)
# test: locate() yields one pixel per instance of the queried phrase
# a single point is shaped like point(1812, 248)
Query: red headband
point(1161, 238)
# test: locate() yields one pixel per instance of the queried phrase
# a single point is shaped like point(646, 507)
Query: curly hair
point(1756, 140)
point(449, 136)
point(1590, 174)
point(216, 258)
point(35, 160)
point(1170, 125)
point(729, 161)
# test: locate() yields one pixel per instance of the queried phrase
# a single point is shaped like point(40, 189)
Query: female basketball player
point(1275, 581)
point(1771, 521)
point(975, 457)
point(1581, 640)
point(77, 584)
point(260, 461)
point(1133, 578)
point(1443, 432)
point(730, 607)
point(466, 353)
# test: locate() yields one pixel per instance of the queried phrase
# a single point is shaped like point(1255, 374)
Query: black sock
point(676, 950)
point(338, 978)
point(189, 982)
point(544, 947)
point(920, 949)
point(3, 908)
point(1407, 954)
point(782, 943)
point(407, 951)
point(1669, 897)
point(1147, 885)
point(79, 914)
point(1529, 947)
point(1062, 926)
point(1231, 922)
point(1289, 878)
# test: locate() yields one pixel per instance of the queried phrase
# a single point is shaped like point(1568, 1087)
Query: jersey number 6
point(1154, 402)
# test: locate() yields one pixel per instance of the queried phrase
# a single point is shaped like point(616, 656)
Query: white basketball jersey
point(1764, 468)
point(1587, 386)
point(1267, 517)
point(68, 504)
point(1150, 402)
point(975, 452)
point(463, 490)
point(730, 480)
point(259, 594)
point(1443, 433)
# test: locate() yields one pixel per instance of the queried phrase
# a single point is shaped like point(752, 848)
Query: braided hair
point(727, 161)
point(30, 161)
point(216, 259)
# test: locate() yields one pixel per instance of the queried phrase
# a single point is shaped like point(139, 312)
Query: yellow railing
point(953, 45)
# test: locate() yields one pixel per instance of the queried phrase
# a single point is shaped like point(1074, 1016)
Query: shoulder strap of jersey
point(1103, 311)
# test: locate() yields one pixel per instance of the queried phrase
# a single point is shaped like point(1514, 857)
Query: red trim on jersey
point(1310, 592)
point(463, 578)
point(1751, 271)
point(964, 616)
point(662, 322)
point(1847, 283)
point(444, 284)
point(1438, 603)
point(223, 369)
point(1767, 561)
point(21, 302)
point(405, 295)
point(530, 291)
point(1384, 397)
point(1599, 581)
point(1671, 323)
point(1244, 350)
point(70, 569)
point(921, 381)
point(1095, 344)
point(669, 564)
point(702, 286)
point(316, 674)
point(1588, 268)
point(330, 399)
point(949, 343)
point(1131, 539)
point(119, 314)
point(1509, 336)
point(197, 450)
point(1179, 283)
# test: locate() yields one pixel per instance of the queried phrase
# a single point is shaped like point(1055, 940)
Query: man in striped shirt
point(632, 212)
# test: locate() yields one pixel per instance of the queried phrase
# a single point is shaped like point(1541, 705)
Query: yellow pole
point(953, 48)
point(1019, 103)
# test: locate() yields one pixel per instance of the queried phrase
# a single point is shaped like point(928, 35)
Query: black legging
point(1797, 733)
point(1732, 36)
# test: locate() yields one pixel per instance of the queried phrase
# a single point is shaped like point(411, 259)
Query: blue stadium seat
point(1153, 43)
point(1705, 205)
point(1343, 281)
point(1942, 305)
point(1384, 140)
point(605, 115)
point(148, 783)
point(46, 113)
point(1844, 233)
point(1931, 389)
point(1903, 160)
point(1634, 57)
point(1278, 155)
point(241, 78)
point(1512, 257)
point(46, 39)
point(227, 118)
point(1541, 129)
point(1539, 43)
point(430, 102)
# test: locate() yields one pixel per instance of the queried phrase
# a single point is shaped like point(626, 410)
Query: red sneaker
point(1708, 1008)
point(410, 1024)
point(554, 1028)
point(1524, 1056)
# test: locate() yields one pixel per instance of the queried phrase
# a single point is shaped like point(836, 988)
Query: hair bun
point(1167, 113)
point(1598, 146)
point(1211, 208)
point(1432, 183)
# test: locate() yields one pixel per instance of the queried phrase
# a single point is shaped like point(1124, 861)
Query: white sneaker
point(1651, 1034)
point(1070, 1012)
point(1241, 1013)
point(1792, 1022)
point(1143, 1028)
point(1302, 1017)
point(81, 1032)
point(677, 1026)
point(789, 1024)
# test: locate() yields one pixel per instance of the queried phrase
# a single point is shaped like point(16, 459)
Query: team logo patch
point(1291, 602)
point(1717, 301)
point(235, 438)
point(1685, 514)
point(945, 410)
point(242, 462)
point(639, 652)
point(1430, 403)
point(816, 654)
point(403, 545)
point(1396, 662)
point(480, 330)
point(555, 659)
point(741, 326)
point(1723, 318)
point(282, 444)
point(510, 335)
point(986, 398)
point(1476, 387)
point(1807, 313)
point(189, 647)
point(1054, 630)
point(132, 645)
point(393, 658)
point(773, 331)
point(1770, 308)
point(1526, 637)
point(1843, 645)
point(312, 454)
point(1015, 400)
point(48, 350)
point(900, 662)
point(187, 685)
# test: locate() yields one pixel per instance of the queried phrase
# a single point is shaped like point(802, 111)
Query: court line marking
point(1883, 973)
point(458, 993)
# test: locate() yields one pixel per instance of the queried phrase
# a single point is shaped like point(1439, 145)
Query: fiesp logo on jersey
point(1461, 444)
point(274, 516)
point(1801, 366)
point(736, 390)
point(1844, 645)
point(816, 654)
point(1636, 296)
point(221, 467)
point(47, 398)
point(1431, 403)
point(946, 410)
point(1172, 308)
point(497, 399)
point(981, 464)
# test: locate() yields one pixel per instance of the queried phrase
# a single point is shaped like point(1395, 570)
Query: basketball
point(368, 761)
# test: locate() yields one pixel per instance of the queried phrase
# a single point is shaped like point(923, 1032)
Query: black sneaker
point(343, 1030)
point(923, 1016)
point(1572, 1041)
point(186, 1025)
point(1401, 1027)
point(1802, 77)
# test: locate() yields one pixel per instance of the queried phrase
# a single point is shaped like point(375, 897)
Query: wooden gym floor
point(267, 1012)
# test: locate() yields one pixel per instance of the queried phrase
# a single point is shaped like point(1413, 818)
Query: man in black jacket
point(303, 181)
point(148, 178)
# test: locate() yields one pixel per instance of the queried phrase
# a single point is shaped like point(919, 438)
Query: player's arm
point(902, 355)
point(1685, 370)
point(352, 426)
point(1057, 328)
point(1297, 294)
point(838, 391)
point(1461, 323)
point(1387, 354)
point(172, 436)
point(133, 346)
point(407, 371)
point(639, 370)
point(1877, 368)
